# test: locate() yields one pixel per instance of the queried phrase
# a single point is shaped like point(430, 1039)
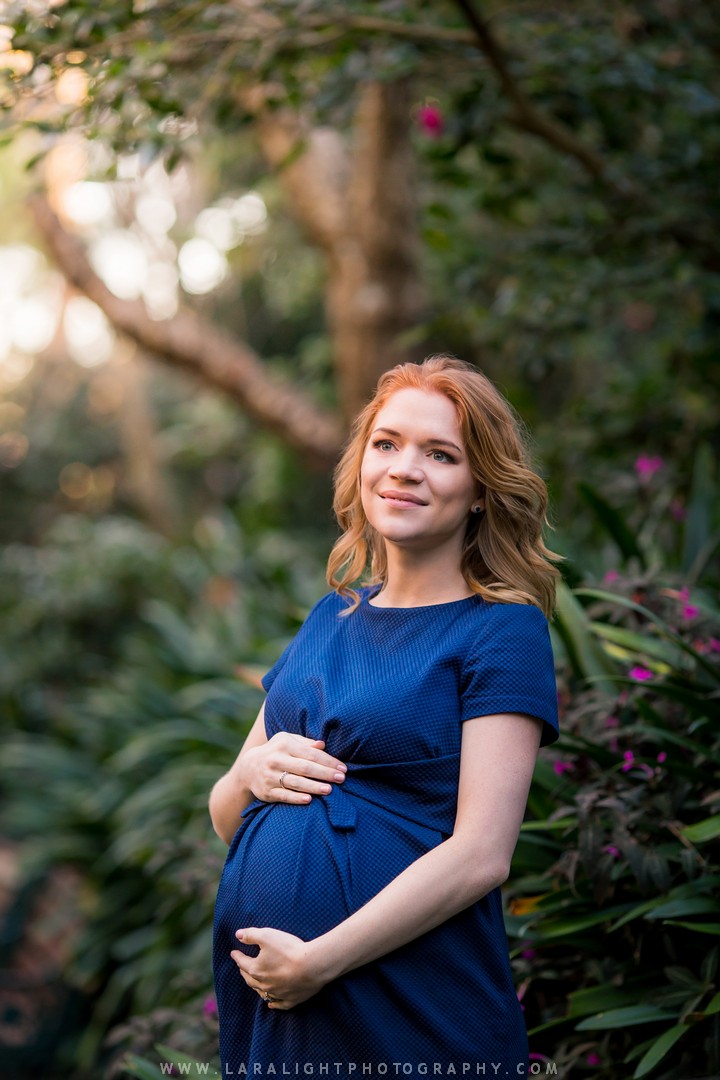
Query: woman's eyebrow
point(427, 442)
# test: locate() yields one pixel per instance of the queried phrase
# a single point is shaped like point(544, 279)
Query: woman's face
point(417, 489)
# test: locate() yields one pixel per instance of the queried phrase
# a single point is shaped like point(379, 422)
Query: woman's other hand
point(291, 768)
point(285, 971)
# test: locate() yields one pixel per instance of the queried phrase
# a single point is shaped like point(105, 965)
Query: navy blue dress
point(388, 690)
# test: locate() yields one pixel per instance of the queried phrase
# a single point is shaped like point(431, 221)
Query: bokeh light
point(87, 332)
point(202, 266)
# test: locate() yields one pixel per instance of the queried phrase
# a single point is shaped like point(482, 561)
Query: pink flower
point(629, 761)
point(714, 644)
point(611, 721)
point(561, 767)
point(646, 466)
point(610, 576)
point(593, 1059)
point(430, 120)
point(612, 850)
point(684, 594)
point(689, 611)
point(640, 674)
point(210, 1006)
point(661, 756)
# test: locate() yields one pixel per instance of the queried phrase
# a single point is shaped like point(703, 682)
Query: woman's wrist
point(324, 962)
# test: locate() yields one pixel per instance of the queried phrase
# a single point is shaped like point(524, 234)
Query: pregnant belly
point(304, 869)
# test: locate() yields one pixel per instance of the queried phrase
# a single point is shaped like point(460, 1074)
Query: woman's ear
point(479, 502)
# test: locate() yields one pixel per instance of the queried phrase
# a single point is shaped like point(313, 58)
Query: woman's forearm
point(229, 798)
point(431, 890)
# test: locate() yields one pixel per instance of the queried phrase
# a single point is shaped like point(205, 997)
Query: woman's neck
point(419, 582)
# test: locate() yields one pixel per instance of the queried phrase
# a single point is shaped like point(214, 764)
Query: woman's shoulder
point(329, 605)
point(494, 625)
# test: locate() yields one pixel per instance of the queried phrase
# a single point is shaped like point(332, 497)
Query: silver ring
point(266, 997)
point(282, 780)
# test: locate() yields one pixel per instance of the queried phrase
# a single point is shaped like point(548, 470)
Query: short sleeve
point(510, 668)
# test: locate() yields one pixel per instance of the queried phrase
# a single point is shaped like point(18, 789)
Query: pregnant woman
point(373, 811)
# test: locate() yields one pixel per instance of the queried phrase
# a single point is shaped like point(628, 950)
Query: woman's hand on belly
point(284, 973)
point(291, 768)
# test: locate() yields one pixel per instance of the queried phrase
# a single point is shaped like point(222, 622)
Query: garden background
point(220, 222)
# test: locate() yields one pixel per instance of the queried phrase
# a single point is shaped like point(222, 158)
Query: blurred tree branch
point(186, 341)
point(529, 117)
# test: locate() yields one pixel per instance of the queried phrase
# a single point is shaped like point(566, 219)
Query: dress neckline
point(373, 590)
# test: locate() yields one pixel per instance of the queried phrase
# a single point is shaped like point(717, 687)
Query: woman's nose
point(406, 466)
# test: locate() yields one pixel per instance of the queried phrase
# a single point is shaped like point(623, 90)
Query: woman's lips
point(401, 499)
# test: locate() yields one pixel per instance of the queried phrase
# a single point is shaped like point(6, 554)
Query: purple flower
point(646, 466)
point(611, 721)
point(661, 756)
point(690, 611)
point(640, 674)
point(714, 644)
point(210, 1006)
point(629, 761)
point(610, 576)
point(430, 120)
point(528, 954)
point(593, 1058)
point(612, 850)
point(561, 767)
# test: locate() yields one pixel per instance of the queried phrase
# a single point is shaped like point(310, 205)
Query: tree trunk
point(375, 293)
point(358, 207)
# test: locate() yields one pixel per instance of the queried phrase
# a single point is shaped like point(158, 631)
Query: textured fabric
point(388, 690)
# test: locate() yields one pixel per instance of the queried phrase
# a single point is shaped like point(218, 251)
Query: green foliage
point(122, 704)
point(614, 893)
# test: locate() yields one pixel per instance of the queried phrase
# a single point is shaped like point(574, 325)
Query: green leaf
point(642, 644)
point(586, 656)
point(702, 831)
point(713, 1006)
point(602, 998)
point(701, 506)
point(659, 1049)
point(699, 927)
point(614, 523)
point(625, 1017)
point(692, 906)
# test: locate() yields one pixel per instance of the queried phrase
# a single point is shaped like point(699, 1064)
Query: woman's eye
point(440, 455)
point(383, 444)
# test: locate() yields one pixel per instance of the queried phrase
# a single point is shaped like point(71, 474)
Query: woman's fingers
point(294, 783)
point(294, 769)
point(322, 765)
